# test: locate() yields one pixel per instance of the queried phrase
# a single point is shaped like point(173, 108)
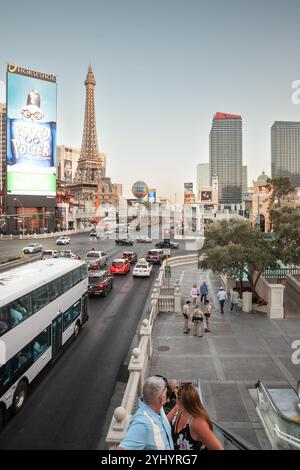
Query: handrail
point(275, 407)
point(286, 437)
point(238, 441)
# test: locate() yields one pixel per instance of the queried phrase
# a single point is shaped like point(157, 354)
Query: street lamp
point(16, 199)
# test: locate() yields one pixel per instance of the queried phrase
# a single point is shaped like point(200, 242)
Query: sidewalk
point(229, 360)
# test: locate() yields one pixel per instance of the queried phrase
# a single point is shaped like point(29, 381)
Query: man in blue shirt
point(203, 291)
point(149, 428)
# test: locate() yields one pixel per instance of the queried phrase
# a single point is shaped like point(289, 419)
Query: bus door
point(57, 326)
point(84, 307)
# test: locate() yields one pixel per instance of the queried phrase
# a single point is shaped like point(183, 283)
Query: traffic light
point(166, 234)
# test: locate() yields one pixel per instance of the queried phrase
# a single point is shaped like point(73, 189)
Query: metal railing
point(280, 273)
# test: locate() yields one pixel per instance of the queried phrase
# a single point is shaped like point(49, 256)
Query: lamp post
point(16, 199)
point(258, 214)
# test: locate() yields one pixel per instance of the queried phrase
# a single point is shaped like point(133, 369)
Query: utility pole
point(16, 199)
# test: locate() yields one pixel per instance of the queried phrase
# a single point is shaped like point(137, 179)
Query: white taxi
point(142, 268)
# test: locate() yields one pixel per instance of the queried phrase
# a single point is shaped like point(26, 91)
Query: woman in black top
point(190, 423)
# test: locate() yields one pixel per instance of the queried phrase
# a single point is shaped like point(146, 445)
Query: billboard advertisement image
point(152, 196)
point(31, 132)
point(206, 196)
point(68, 171)
point(188, 187)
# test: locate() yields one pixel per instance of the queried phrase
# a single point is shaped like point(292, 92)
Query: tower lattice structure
point(91, 163)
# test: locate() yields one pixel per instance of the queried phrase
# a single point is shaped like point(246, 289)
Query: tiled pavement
point(229, 360)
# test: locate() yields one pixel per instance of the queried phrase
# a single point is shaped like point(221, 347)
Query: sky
point(163, 68)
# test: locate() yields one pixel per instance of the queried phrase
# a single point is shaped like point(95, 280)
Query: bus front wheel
point(20, 396)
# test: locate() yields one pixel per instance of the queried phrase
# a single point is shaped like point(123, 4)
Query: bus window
point(83, 270)
point(76, 276)
point(40, 298)
point(41, 343)
point(4, 376)
point(21, 360)
point(16, 313)
point(55, 288)
point(5, 320)
point(68, 318)
point(24, 305)
point(76, 310)
point(67, 282)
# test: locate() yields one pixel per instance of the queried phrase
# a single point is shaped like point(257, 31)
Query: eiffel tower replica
point(91, 163)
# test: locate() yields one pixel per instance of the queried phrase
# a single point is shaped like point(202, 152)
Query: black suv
point(100, 282)
point(124, 241)
point(166, 244)
point(155, 256)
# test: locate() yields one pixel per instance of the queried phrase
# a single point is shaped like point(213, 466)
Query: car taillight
point(101, 285)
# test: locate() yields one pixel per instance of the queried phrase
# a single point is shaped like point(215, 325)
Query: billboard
point(31, 132)
point(152, 196)
point(68, 171)
point(188, 187)
point(206, 196)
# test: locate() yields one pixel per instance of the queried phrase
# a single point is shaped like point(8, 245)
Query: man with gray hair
point(149, 428)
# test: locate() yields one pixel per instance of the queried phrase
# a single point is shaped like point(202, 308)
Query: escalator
point(279, 412)
point(229, 440)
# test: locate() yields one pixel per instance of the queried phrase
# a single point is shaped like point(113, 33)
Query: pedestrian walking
point(234, 301)
point(222, 296)
point(194, 294)
point(198, 322)
point(186, 316)
point(203, 292)
point(207, 314)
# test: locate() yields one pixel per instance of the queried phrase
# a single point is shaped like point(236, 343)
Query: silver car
point(32, 248)
point(96, 259)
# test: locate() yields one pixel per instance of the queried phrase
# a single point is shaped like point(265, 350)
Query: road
point(67, 406)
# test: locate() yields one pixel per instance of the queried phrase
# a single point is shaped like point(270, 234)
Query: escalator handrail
point(234, 438)
point(275, 407)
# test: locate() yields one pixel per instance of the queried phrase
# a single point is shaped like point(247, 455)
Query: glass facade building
point(226, 156)
point(285, 150)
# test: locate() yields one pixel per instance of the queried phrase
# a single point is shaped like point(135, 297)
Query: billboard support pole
point(16, 199)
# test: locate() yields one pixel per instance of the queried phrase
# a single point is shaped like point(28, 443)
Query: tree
point(279, 186)
point(236, 249)
point(286, 229)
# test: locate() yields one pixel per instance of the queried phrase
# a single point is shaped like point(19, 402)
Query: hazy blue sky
point(163, 68)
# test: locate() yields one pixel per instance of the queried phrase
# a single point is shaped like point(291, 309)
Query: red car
point(120, 266)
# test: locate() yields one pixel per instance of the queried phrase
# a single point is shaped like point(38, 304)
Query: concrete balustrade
point(140, 360)
point(274, 295)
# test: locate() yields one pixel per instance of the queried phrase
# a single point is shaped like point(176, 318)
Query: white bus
point(42, 305)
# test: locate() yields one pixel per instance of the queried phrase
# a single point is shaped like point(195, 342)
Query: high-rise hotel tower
point(285, 150)
point(226, 156)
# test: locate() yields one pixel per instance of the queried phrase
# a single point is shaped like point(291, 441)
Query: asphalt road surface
point(67, 405)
